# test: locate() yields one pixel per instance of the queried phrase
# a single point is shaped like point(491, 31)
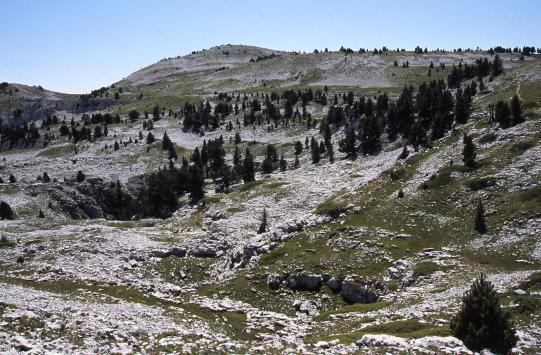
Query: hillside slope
point(91, 276)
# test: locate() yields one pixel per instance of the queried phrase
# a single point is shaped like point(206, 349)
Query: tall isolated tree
point(480, 225)
point(468, 153)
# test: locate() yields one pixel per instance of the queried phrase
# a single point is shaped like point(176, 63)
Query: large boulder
point(353, 292)
point(304, 282)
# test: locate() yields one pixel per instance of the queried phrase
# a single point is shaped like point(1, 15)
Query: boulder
point(355, 293)
point(304, 282)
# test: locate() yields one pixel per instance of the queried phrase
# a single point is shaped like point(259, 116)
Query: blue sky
point(76, 46)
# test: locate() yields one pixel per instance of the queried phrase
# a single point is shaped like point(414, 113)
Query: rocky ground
point(345, 266)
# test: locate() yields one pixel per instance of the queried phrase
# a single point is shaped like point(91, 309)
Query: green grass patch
point(57, 151)
point(405, 329)
point(425, 268)
point(331, 207)
point(358, 308)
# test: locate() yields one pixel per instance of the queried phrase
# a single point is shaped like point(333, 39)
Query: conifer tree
point(263, 225)
point(150, 138)
point(468, 153)
point(248, 172)
point(314, 146)
point(298, 148)
point(348, 144)
point(481, 322)
point(12, 179)
point(516, 111)
point(5, 211)
point(400, 193)
point(283, 163)
point(46, 177)
point(480, 225)
point(80, 176)
point(197, 184)
point(404, 154)
point(41, 214)
point(503, 114)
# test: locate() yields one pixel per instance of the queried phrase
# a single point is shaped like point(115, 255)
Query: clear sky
point(76, 46)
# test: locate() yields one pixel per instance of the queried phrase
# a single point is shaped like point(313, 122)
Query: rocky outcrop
point(353, 292)
point(304, 282)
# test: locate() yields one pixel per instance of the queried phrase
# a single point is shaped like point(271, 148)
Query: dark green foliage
point(5, 211)
point(480, 225)
point(197, 184)
point(400, 193)
point(156, 113)
point(248, 170)
point(468, 153)
point(133, 115)
point(41, 214)
point(481, 323)
point(12, 179)
point(516, 111)
point(370, 135)
point(314, 146)
point(266, 166)
point(503, 114)
point(80, 176)
point(404, 154)
point(46, 177)
point(263, 224)
point(347, 145)
point(150, 138)
point(283, 163)
point(298, 148)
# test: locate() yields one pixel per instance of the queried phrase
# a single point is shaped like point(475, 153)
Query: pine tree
point(298, 148)
point(404, 154)
point(80, 176)
point(41, 214)
point(283, 163)
point(400, 193)
point(480, 225)
point(516, 111)
point(46, 177)
point(266, 166)
point(12, 179)
point(481, 322)
point(248, 171)
point(314, 146)
point(197, 184)
point(503, 114)
point(348, 144)
point(5, 211)
point(468, 154)
point(150, 138)
point(263, 225)
point(330, 150)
